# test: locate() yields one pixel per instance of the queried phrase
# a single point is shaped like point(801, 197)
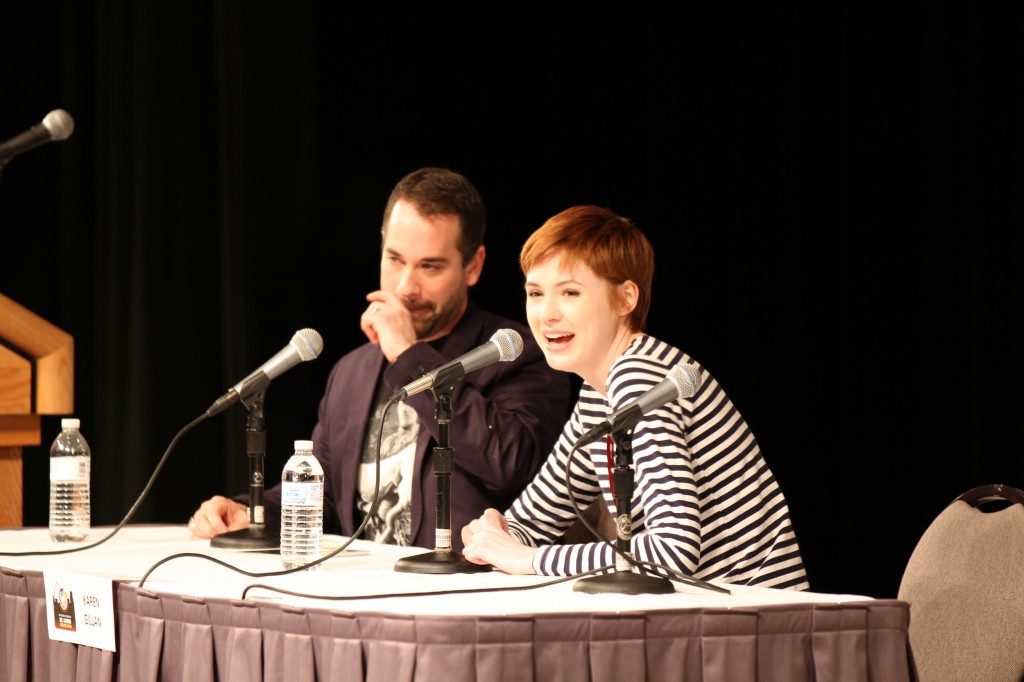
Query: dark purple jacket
point(506, 418)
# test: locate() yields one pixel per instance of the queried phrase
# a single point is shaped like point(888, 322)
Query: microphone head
point(60, 124)
point(509, 343)
point(687, 378)
point(308, 343)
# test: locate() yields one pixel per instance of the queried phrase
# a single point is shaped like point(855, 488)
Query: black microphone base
point(258, 537)
point(624, 582)
point(439, 561)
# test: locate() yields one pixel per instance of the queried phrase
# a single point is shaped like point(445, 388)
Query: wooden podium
point(37, 361)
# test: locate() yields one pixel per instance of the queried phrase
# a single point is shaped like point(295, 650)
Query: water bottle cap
point(69, 423)
point(304, 445)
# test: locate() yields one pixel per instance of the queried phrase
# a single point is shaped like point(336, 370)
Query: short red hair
point(610, 245)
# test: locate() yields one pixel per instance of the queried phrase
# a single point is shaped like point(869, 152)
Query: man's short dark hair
point(439, 191)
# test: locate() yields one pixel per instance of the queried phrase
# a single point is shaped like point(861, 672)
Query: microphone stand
point(443, 559)
point(624, 580)
point(256, 536)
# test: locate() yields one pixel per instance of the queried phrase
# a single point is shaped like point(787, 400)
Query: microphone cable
point(366, 519)
point(391, 595)
point(373, 506)
point(640, 564)
point(355, 535)
point(673, 574)
point(131, 512)
point(687, 580)
point(310, 348)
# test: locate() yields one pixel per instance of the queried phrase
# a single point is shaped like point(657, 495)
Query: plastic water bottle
point(302, 507)
point(70, 461)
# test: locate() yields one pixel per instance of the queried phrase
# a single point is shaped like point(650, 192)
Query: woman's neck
point(615, 350)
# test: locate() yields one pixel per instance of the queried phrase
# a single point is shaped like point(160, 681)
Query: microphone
point(305, 345)
point(683, 381)
point(57, 126)
point(504, 345)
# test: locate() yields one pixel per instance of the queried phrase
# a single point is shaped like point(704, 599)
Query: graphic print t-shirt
point(391, 518)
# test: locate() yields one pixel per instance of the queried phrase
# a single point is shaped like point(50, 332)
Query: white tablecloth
point(358, 618)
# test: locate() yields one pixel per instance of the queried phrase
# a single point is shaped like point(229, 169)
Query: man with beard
point(505, 416)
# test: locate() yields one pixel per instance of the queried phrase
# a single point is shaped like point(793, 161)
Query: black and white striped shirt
point(704, 501)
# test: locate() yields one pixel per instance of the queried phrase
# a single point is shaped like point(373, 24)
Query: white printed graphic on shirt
point(391, 520)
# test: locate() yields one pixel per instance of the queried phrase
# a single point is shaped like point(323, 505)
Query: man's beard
point(438, 319)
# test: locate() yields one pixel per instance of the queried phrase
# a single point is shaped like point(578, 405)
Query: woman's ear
point(629, 295)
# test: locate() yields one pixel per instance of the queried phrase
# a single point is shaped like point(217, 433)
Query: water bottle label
point(69, 469)
point(302, 494)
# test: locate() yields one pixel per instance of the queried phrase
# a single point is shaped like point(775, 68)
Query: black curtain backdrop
point(833, 195)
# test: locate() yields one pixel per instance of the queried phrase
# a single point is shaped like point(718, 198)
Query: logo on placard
point(63, 609)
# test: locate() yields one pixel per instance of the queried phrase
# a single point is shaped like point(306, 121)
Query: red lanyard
point(611, 463)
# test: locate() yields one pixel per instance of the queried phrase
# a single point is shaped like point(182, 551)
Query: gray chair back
point(965, 586)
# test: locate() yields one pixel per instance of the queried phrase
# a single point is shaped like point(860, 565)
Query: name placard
point(80, 609)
